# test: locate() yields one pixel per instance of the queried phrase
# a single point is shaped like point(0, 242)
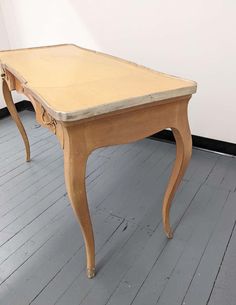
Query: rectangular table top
point(74, 83)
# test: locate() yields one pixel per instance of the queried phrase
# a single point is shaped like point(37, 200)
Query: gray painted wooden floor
point(42, 256)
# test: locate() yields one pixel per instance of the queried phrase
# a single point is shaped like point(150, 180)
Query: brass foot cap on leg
point(169, 235)
point(90, 273)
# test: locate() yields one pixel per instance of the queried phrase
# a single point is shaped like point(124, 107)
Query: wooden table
point(91, 100)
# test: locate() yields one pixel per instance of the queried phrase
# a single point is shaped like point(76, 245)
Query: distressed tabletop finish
point(91, 100)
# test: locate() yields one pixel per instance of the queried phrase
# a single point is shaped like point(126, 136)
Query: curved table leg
point(183, 154)
point(12, 109)
point(75, 159)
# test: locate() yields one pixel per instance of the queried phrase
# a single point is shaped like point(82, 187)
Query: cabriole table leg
point(12, 109)
point(183, 140)
point(75, 159)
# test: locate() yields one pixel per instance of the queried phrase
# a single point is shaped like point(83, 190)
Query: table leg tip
point(169, 235)
point(91, 273)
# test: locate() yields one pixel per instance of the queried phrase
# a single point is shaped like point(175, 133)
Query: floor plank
point(223, 291)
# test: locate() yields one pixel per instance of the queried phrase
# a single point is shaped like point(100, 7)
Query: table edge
point(104, 108)
point(114, 106)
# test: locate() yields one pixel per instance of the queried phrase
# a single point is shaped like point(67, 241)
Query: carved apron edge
point(46, 120)
point(53, 125)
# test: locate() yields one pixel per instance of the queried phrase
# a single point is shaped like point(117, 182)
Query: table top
point(74, 83)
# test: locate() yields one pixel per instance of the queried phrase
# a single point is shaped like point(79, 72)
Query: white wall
point(192, 39)
point(4, 44)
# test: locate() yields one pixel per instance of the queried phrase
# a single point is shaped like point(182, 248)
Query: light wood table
point(91, 100)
